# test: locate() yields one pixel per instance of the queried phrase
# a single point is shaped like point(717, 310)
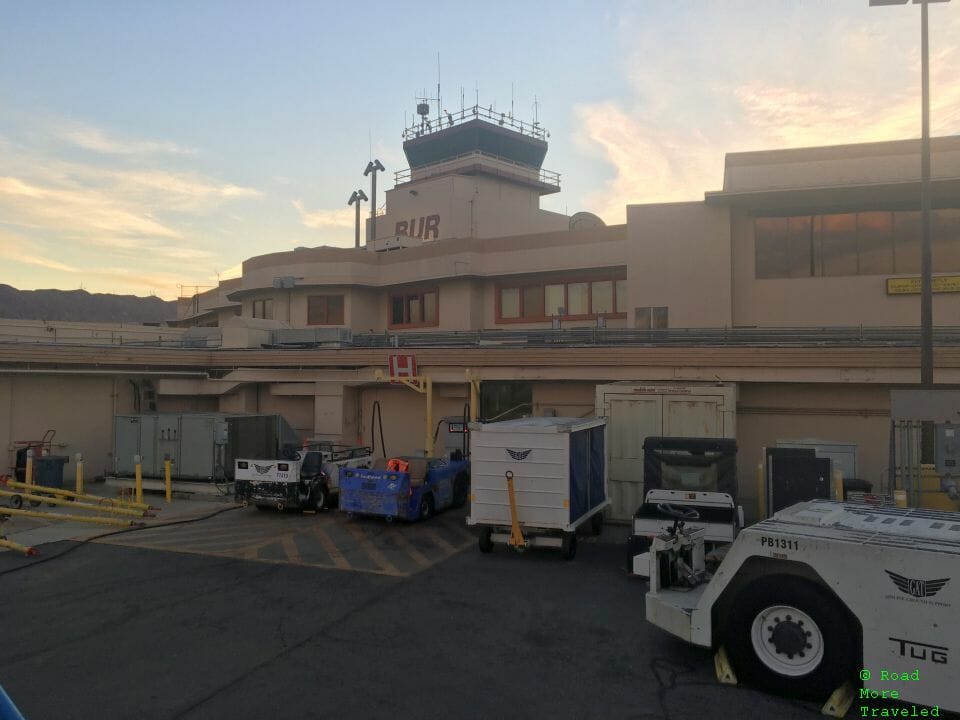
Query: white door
point(694, 416)
point(630, 420)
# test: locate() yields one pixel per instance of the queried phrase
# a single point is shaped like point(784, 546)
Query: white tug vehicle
point(820, 597)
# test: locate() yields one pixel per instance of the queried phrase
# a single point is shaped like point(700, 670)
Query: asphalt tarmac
point(119, 631)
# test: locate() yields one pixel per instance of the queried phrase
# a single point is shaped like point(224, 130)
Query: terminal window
point(325, 310)
point(856, 243)
point(263, 309)
point(417, 308)
point(539, 302)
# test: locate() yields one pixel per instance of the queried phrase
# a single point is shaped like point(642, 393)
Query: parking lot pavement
point(110, 631)
point(323, 540)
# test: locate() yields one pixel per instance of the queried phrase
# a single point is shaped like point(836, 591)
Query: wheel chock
point(723, 668)
point(839, 702)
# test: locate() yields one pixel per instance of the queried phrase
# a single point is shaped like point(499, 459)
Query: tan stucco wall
point(767, 413)
point(679, 258)
point(862, 164)
point(80, 409)
point(821, 301)
point(403, 414)
point(469, 206)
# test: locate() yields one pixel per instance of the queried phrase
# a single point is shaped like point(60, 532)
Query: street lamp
point(355, 199)
point(926, 270)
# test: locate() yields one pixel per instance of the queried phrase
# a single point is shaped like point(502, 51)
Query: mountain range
point(82, 306)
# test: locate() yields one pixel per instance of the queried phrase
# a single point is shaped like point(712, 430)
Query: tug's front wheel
point(790, 636)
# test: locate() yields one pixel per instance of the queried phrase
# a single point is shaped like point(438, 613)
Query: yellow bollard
point(71, 518)
point(79, 496)
point(11, 545)
point(139, 479)
point(79, 459)
point(30, 497)
point(166, 480)
point(28, 471)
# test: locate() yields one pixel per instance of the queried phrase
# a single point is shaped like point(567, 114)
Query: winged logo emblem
point(518, 454)
point(917, 588)
point(262, 469)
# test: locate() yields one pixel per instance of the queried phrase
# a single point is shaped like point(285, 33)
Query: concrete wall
point(679, 258)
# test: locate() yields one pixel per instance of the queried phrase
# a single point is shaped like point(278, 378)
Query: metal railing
point(547, 177)
point(591, 336)
point(426, 126)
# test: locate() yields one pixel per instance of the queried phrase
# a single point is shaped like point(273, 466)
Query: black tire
point(16, 502)
point(34, 503)
point(461, 490)
point(319, 497)
point(568, 546)
point(795, 658)
point(426, 507)
point(486, 540)
point(596, 523)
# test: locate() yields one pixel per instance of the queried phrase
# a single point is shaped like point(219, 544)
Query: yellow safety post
point(79, 496)
point(79, 506)
point(139, 478)
point(474, 396)
point(517, 539)
point(761, 493)
point(28, 471)
point(72, 518)
point(79, 459)
point(166, 479)
point(11, 545)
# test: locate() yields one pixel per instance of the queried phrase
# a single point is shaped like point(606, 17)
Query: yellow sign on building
point(911, 285)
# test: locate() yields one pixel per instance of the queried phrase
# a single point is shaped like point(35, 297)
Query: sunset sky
point(149, 148)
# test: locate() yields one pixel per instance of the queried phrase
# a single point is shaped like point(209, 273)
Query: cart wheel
point(34, 503)
point(486, 540)
point(596, 523)
point(461, 488)
point(568, 548)
point(790, 636)
point(318, 498)
point(16, 502)
point(426, 507)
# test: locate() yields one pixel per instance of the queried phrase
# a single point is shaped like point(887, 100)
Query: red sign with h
point(402, 366)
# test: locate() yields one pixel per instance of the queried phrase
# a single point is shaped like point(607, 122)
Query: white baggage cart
point(536, 481)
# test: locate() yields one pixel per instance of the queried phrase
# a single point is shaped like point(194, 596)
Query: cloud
point(325, 219)
point(735, 87)
point(95, 139)
point(130, 209)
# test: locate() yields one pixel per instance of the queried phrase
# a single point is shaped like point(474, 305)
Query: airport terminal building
point(794, 288)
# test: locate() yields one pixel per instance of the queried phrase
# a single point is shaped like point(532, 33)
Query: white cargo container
point(636, 410)
point(558, 468)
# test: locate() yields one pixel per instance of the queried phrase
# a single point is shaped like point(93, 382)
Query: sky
point(148, 148)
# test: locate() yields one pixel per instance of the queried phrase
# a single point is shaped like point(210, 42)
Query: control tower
point(475, 173)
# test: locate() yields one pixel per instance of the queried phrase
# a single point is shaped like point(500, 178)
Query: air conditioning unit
point(394, 242)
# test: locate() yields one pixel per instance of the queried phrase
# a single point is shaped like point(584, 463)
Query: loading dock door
point(636, 411)
point(631, 419)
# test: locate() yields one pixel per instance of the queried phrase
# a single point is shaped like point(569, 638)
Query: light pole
point(372, 167)
point(355, 199)
point(926, 269)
